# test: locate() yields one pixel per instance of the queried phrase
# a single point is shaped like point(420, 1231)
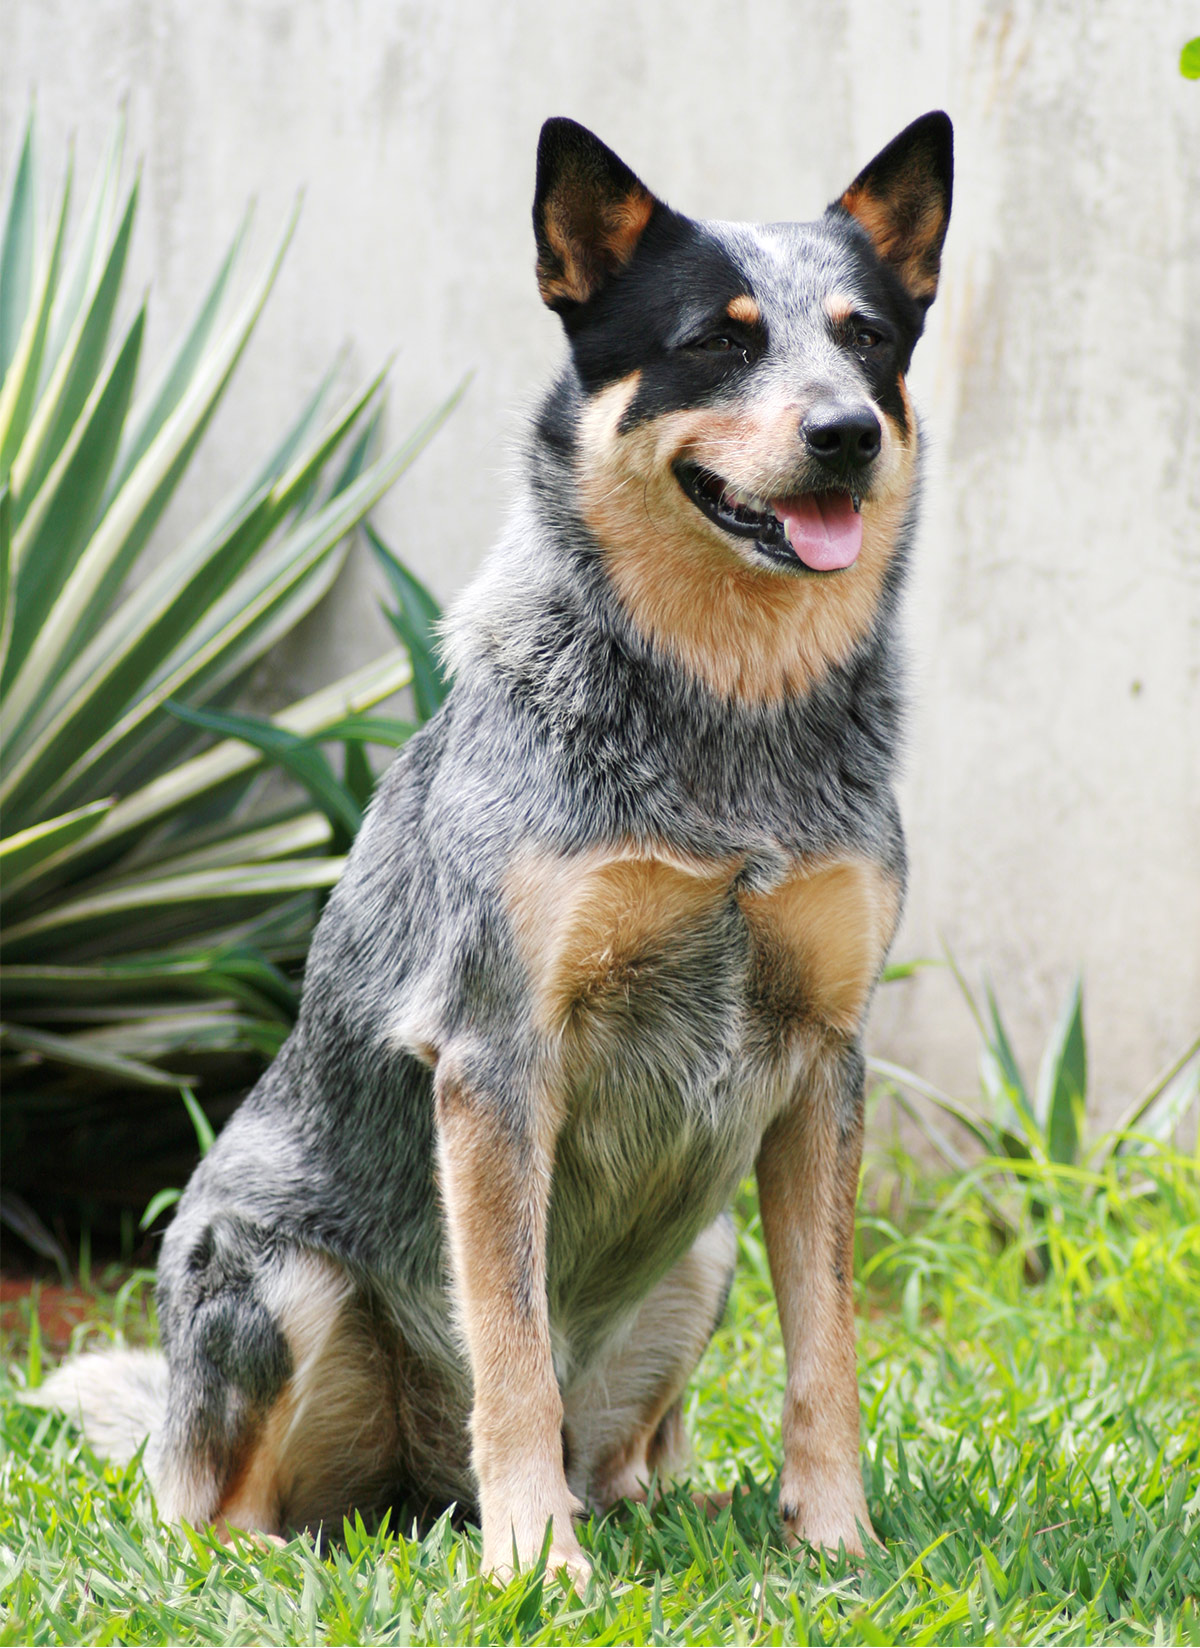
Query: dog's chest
point(676, 1002)
point(628, 948)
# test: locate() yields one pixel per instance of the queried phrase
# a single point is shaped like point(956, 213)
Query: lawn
point(1032, 1463)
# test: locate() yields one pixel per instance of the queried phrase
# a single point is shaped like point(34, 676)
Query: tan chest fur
point(598, 926)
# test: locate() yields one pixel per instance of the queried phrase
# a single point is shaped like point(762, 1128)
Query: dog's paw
point(565, 1558)
point(830, 1528)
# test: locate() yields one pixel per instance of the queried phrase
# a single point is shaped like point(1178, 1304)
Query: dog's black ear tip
point(560, 134)
point(937, 129)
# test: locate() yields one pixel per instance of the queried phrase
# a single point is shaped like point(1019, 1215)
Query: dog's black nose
point(844, 439)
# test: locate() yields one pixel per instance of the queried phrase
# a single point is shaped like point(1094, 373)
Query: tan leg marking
point(584, 923)
point(496, 1190)
point(747, 631)
point(808, 1184)
point(820, 939)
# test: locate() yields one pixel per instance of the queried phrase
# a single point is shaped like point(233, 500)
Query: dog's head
point(746, 425)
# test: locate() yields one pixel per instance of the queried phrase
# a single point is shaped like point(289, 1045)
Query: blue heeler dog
point(608, 936)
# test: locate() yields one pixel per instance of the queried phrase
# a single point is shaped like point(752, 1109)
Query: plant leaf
point(1061, 1096)
point(299, 758)
point(1158, 1118)
point(977, 1126)
point(129, 520)
point(16, 251)
point(47, 544)
point(1011, 1082)
point(97, 1061)
point(19, 378)
point(88, 252)
point(6, 605)
point(74, 376)
point(204, 776)
point(152, 412)
point(132, 909)
point(20, 854)
point(270, 594)
point(133, 643)
point(222, 970)
point(415, 621)
point(157, 1204)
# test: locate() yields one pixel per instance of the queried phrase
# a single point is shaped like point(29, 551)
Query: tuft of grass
point(1032, 1463)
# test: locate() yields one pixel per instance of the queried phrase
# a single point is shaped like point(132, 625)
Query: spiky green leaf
point(20, 854)
point(1060, 1097)
point(17, 252)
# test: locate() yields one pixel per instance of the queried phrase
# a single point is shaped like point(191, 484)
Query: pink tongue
point(823, 528)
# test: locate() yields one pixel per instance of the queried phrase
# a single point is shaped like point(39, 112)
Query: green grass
point(1032, 1462)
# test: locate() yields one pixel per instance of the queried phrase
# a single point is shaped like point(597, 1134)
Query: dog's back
point(609, 932)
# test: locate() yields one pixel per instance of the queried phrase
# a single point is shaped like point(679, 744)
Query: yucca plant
point(154, 910)
point(1035, 1137)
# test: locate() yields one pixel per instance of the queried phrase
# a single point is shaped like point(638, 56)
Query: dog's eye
point(718, 345)
point(866, 337)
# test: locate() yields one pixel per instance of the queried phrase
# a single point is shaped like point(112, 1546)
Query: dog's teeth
point(857, 502)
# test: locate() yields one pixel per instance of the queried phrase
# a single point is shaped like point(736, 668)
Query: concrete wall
point(1053, 796)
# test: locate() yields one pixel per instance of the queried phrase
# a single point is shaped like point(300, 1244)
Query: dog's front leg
point(494, 1161)
point(808, 1183)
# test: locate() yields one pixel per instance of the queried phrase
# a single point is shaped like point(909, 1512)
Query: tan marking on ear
point(745, 630)
point(839, 308)
point(743, 308)
point(820, 939)
point(588, 250)
point(584, 924)
point(905, 231)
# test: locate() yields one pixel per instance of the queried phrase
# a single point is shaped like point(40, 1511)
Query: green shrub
point(155, 908)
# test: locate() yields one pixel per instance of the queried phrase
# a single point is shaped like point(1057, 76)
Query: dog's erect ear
point(589, 211)
point(902, 200)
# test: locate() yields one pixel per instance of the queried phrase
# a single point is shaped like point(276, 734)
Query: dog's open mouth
point(822, 530)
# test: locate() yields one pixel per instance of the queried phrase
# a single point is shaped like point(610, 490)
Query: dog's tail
point(117, 1398)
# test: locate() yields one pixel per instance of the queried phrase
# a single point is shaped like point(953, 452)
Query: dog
point(608, 935)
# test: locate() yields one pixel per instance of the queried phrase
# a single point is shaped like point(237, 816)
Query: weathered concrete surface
point(1053, 798)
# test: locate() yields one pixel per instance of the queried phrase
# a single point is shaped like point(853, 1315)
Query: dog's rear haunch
point(608, 936)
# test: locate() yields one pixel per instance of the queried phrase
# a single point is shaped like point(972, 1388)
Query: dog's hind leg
point(281, 1410)
point(623, 1422)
